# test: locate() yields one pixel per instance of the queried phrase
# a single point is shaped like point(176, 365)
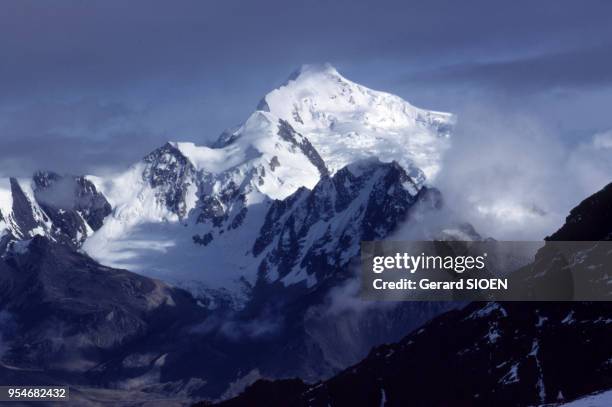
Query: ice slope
point(346, 121)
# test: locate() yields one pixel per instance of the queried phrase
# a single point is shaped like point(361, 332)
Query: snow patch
point(488, 310)
point(603, 399)
point(569, 319)
point(512, 375)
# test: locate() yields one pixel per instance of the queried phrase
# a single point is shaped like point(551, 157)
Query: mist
point(513, 177)
point(60, 194)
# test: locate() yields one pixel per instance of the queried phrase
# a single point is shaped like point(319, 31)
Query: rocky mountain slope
point(67, 311)
point(512, 353)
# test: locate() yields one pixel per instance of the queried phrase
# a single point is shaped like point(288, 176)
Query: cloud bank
point(512, 177)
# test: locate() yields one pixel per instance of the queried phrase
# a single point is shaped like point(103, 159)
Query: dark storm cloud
point(79, 136)
point(75, 155)
point(85, 85)
point(590, 67)
point(93, 44)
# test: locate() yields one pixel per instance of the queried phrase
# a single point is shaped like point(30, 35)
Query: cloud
point(237, 329)
point(60, 194)
point(81, 136)
point(513, 178)
point(344, 300)
point(590, 163)
point(581, 67)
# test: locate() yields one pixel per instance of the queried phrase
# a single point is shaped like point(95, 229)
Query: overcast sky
point(93, 86)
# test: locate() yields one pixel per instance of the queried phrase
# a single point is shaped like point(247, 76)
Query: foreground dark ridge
point(486, 354)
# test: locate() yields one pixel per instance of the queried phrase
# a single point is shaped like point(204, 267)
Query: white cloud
point(590, 163)
point(513, 177)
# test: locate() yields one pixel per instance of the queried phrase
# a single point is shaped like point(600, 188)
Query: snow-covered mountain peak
point(278, 158)
point(264, 156)
point(346, 121)
point(257, 136)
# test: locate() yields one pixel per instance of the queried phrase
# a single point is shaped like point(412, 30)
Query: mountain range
point(237, 250)
point(202, 269)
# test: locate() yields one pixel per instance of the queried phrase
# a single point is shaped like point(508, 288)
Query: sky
point(91, 87)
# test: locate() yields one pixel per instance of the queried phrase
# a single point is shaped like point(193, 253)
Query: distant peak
point(321, 73)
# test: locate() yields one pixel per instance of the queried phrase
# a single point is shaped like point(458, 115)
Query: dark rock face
point(274, 163)
point(64, 208)
point(590, 220)
point(278, 393)
point(271, 226)
point(72, 204)
point(69, 314)
point(23, 212)
point(318, 232)
point(286, 132)
point(230, 200)
point(204, 239)
point(91, 204)
point(513, 354)
point(239, 218)
point(366, 201)
point(171, 173)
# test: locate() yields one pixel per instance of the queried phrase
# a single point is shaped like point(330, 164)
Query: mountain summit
point(346, 121)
